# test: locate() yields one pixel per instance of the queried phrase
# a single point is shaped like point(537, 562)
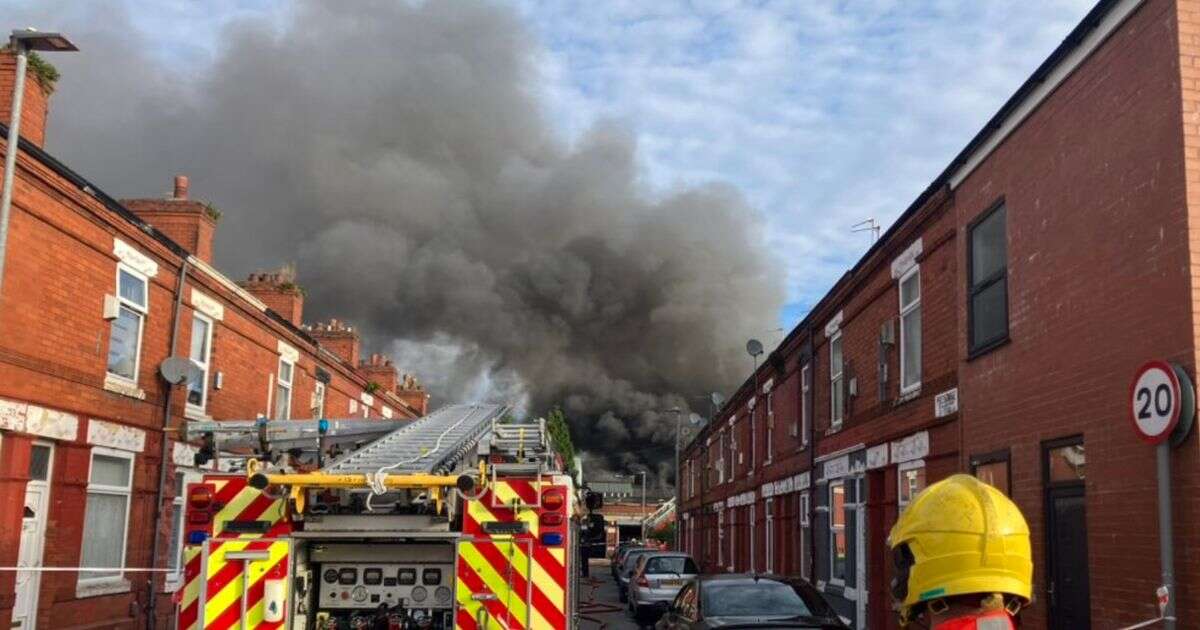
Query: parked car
point(656, 581)
point(619, 557)
point(749, 601)
point(626, 568)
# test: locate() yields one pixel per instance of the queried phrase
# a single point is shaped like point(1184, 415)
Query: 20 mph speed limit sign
point(1157, 401)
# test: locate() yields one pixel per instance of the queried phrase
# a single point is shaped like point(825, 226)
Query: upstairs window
point(910, 331)
point(318, 400)
point(201, 353)
point(837, 400)
point(283, 390)
point(770, 445)
point(805, 401)
point(125, 340)
point(987, 308)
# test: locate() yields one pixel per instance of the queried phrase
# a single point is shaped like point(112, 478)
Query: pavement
point(598, 603)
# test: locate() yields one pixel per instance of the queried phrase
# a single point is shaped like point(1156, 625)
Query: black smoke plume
point(398, 154)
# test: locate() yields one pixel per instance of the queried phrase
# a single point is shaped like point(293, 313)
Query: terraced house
point(98, 293)
point(994, 329)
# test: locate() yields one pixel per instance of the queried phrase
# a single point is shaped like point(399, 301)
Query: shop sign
point(915, 446)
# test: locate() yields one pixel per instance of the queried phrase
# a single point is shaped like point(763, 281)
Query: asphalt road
point(599, 604)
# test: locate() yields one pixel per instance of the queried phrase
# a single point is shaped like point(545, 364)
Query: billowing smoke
point(399, 156)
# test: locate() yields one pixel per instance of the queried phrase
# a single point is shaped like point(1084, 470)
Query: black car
point(749, 601)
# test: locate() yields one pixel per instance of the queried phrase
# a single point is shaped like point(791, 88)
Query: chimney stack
point(413, 394)
point(278, 289)
point(35, 103)
point(379, 369)
point(189, 223)
point(338, 338)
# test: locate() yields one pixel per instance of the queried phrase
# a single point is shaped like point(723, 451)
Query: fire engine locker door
point(33, 536)
point(494, 583)
point(236, 595)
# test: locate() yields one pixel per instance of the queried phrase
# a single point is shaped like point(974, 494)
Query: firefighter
point(962, 558)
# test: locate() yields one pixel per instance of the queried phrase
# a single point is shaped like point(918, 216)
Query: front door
point(33, 537)
point(860, 551)
point(1066, 536)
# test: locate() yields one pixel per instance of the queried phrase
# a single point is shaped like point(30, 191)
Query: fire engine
point(455, 520)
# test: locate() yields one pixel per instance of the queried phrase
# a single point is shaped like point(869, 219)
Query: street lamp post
point(678, 482)
point(22, 42)
point(643, 474)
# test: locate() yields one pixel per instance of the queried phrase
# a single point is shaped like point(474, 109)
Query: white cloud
point(823, 113)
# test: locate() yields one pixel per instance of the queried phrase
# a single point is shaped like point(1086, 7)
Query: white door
point(33, 536)
point(860, 522)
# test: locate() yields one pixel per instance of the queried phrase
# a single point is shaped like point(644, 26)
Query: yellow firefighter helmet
point(960, 536)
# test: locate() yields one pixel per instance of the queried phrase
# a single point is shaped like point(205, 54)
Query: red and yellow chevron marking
point(222, 580)
point(509, 582)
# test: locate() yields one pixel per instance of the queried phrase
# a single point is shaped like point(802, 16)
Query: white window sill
point(195, 413)
point(173, 583)
point(912, 393)
point(125, 387)
point(106, 586)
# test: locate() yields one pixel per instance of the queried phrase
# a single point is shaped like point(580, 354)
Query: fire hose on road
point(593, 607)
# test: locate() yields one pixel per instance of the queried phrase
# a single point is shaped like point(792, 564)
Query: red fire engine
point(455, 520)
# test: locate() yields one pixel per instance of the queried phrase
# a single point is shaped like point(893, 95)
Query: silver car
point(626, 569)
point(656, 581)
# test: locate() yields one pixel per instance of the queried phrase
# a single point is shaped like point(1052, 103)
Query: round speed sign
point(1157, 400)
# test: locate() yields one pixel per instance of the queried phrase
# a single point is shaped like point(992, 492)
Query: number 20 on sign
point(1157, 400)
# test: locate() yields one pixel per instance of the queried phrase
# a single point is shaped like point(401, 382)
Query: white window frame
point(206, 365)
point(728, 458)
point(836, 374)
point(753, 535)
point(906, 310)
point(805, 528)
point(902, 468)
point(770, 441)
point(733, 541)
point(805, 401)
point(721, 537)
point(289, 385)
point(319, 391)
point(127, 492)
point(142, 312)
point(769, 509)
point(174, 579)
point(832, 529)
point(753, 439)
point(721, 459)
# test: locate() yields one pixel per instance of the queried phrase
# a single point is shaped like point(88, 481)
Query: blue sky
point(823, 113)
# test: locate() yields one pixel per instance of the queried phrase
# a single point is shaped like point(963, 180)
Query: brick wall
point(1098, 282)
point(35, 101)
point(62, 262)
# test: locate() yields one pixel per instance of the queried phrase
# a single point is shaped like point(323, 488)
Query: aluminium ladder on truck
point(239, 540)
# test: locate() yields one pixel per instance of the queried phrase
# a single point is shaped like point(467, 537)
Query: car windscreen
point(755, 599)
point(671, 564)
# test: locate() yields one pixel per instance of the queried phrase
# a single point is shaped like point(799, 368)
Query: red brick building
point(994, 330)
point(97, 294)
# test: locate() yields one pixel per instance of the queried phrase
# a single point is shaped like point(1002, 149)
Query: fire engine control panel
point(362, 585)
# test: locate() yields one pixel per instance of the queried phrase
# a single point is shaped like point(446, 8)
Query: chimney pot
point(181, 187)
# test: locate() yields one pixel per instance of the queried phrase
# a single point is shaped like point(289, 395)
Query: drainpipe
point(812, 457)
point(164, 452)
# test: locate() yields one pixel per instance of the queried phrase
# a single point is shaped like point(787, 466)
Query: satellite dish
point(175, 370)
point(717, 399)
point(754, 347)
point(695, 419)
